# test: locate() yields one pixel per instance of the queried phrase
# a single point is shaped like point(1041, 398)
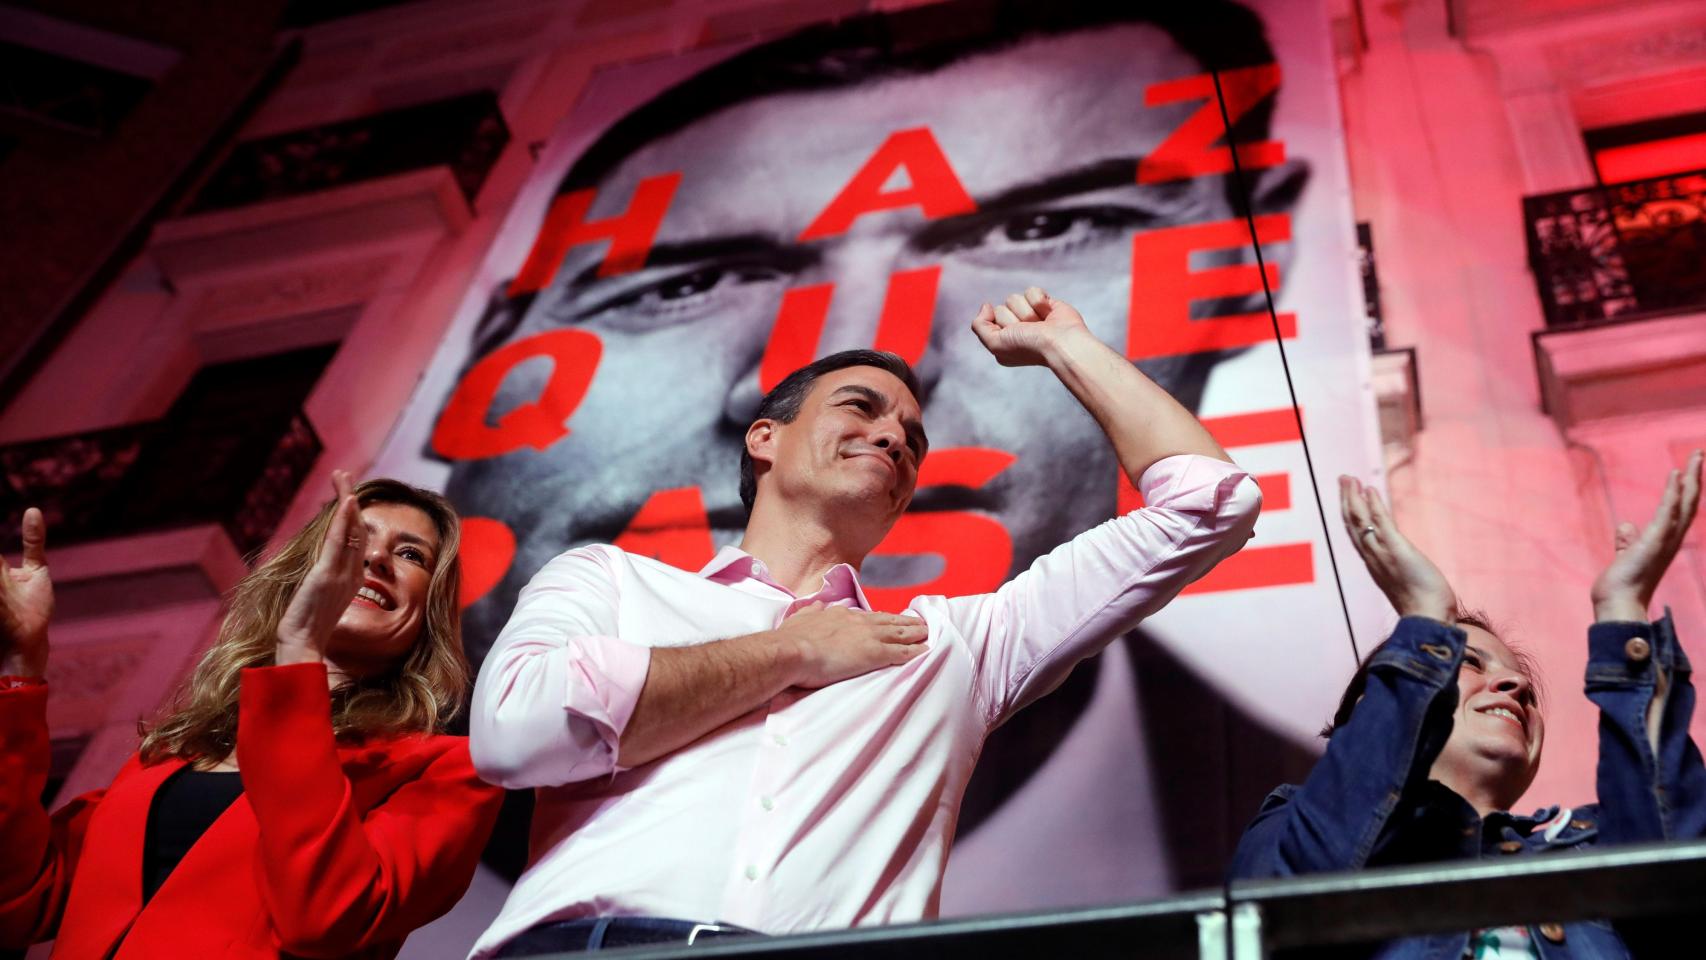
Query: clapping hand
point(1625, 589)
point(1023, 328)
point(26, 603)
point(1409, 579)
point(325, 593)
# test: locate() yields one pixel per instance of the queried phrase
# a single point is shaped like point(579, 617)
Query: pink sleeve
point(559, 685)
point(1078, 598)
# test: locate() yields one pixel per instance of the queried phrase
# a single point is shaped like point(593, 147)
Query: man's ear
point(761, 442)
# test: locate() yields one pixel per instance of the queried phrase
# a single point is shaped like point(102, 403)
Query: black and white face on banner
point(696, 231)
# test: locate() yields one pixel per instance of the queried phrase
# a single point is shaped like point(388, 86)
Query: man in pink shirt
point(752, 746)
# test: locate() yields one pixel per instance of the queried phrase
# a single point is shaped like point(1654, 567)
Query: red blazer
point(334, 849)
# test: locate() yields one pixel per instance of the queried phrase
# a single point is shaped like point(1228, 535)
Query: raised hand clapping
point(1409, 579)
point(1625, 589)
point(331, 583)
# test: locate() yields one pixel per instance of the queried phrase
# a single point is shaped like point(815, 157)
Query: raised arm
point(1377, 757)
point(1199, 509)
point(1143, 421)
point(39, 853)
point(26, 603)
point(563, 698)
point(1652, 784)
point(340, 879)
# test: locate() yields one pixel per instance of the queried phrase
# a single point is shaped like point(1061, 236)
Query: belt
point(603, 933)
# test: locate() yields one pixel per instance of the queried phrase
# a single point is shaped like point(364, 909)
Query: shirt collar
point(732, 565)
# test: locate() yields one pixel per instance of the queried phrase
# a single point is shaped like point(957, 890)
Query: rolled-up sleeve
point(1652, 781)
point(1081, 596)
point(556, 692)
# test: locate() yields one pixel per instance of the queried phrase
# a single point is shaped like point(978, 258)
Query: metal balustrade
point(465, 133)
point(138, 478)
point(1619, 251)
point(1250, 918)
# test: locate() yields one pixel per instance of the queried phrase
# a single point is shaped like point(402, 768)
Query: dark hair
point(419, 694)
point(1218, 34)
point(782, 403)
point(1469, 618)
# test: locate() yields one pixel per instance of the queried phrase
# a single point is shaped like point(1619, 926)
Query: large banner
point(700, 225)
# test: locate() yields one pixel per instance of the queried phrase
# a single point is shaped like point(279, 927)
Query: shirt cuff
point(296, 671)
point(1188, 481)
point(1622, 649)
point(273, 690)
point(605, 677)
point(1423, 647)
point(1670, 653)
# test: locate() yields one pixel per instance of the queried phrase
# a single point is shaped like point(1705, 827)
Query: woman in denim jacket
point(1440, 732)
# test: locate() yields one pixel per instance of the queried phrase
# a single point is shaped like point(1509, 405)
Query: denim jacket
point(1369, 802)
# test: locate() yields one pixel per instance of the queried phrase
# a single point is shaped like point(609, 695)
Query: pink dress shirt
point(823, 808)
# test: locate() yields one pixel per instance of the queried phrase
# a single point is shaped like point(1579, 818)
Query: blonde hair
point(419, 695)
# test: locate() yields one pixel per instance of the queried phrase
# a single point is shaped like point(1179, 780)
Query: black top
point(183, 808)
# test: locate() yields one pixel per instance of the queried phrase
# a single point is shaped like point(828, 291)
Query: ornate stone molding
point(86, 677)
point(1639, 51)
point(309, 289)
point(182, 565)
point(195, 250)
point(1639, 368)
point(1397, 395)
point(483, 41)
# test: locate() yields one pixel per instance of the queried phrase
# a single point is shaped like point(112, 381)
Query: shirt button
point(767, 803)
point(778, 740)
point(1510, 846)
point(1553, 932)
point(751, 872)
point(1637, 649)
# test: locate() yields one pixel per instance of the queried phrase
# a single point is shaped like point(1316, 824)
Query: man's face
point(854, 447)
point(1043, 136)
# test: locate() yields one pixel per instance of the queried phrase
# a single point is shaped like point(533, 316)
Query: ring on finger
point(1368, 530)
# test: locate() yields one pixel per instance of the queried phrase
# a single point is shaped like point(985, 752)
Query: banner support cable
point(1279, 341)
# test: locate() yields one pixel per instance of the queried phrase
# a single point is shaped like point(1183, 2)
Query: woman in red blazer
point(299, 799)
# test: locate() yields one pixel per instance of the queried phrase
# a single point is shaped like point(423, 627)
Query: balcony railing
point(465, 133)
point(158, 476)
point(1619, 251)
point(1248, 919)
